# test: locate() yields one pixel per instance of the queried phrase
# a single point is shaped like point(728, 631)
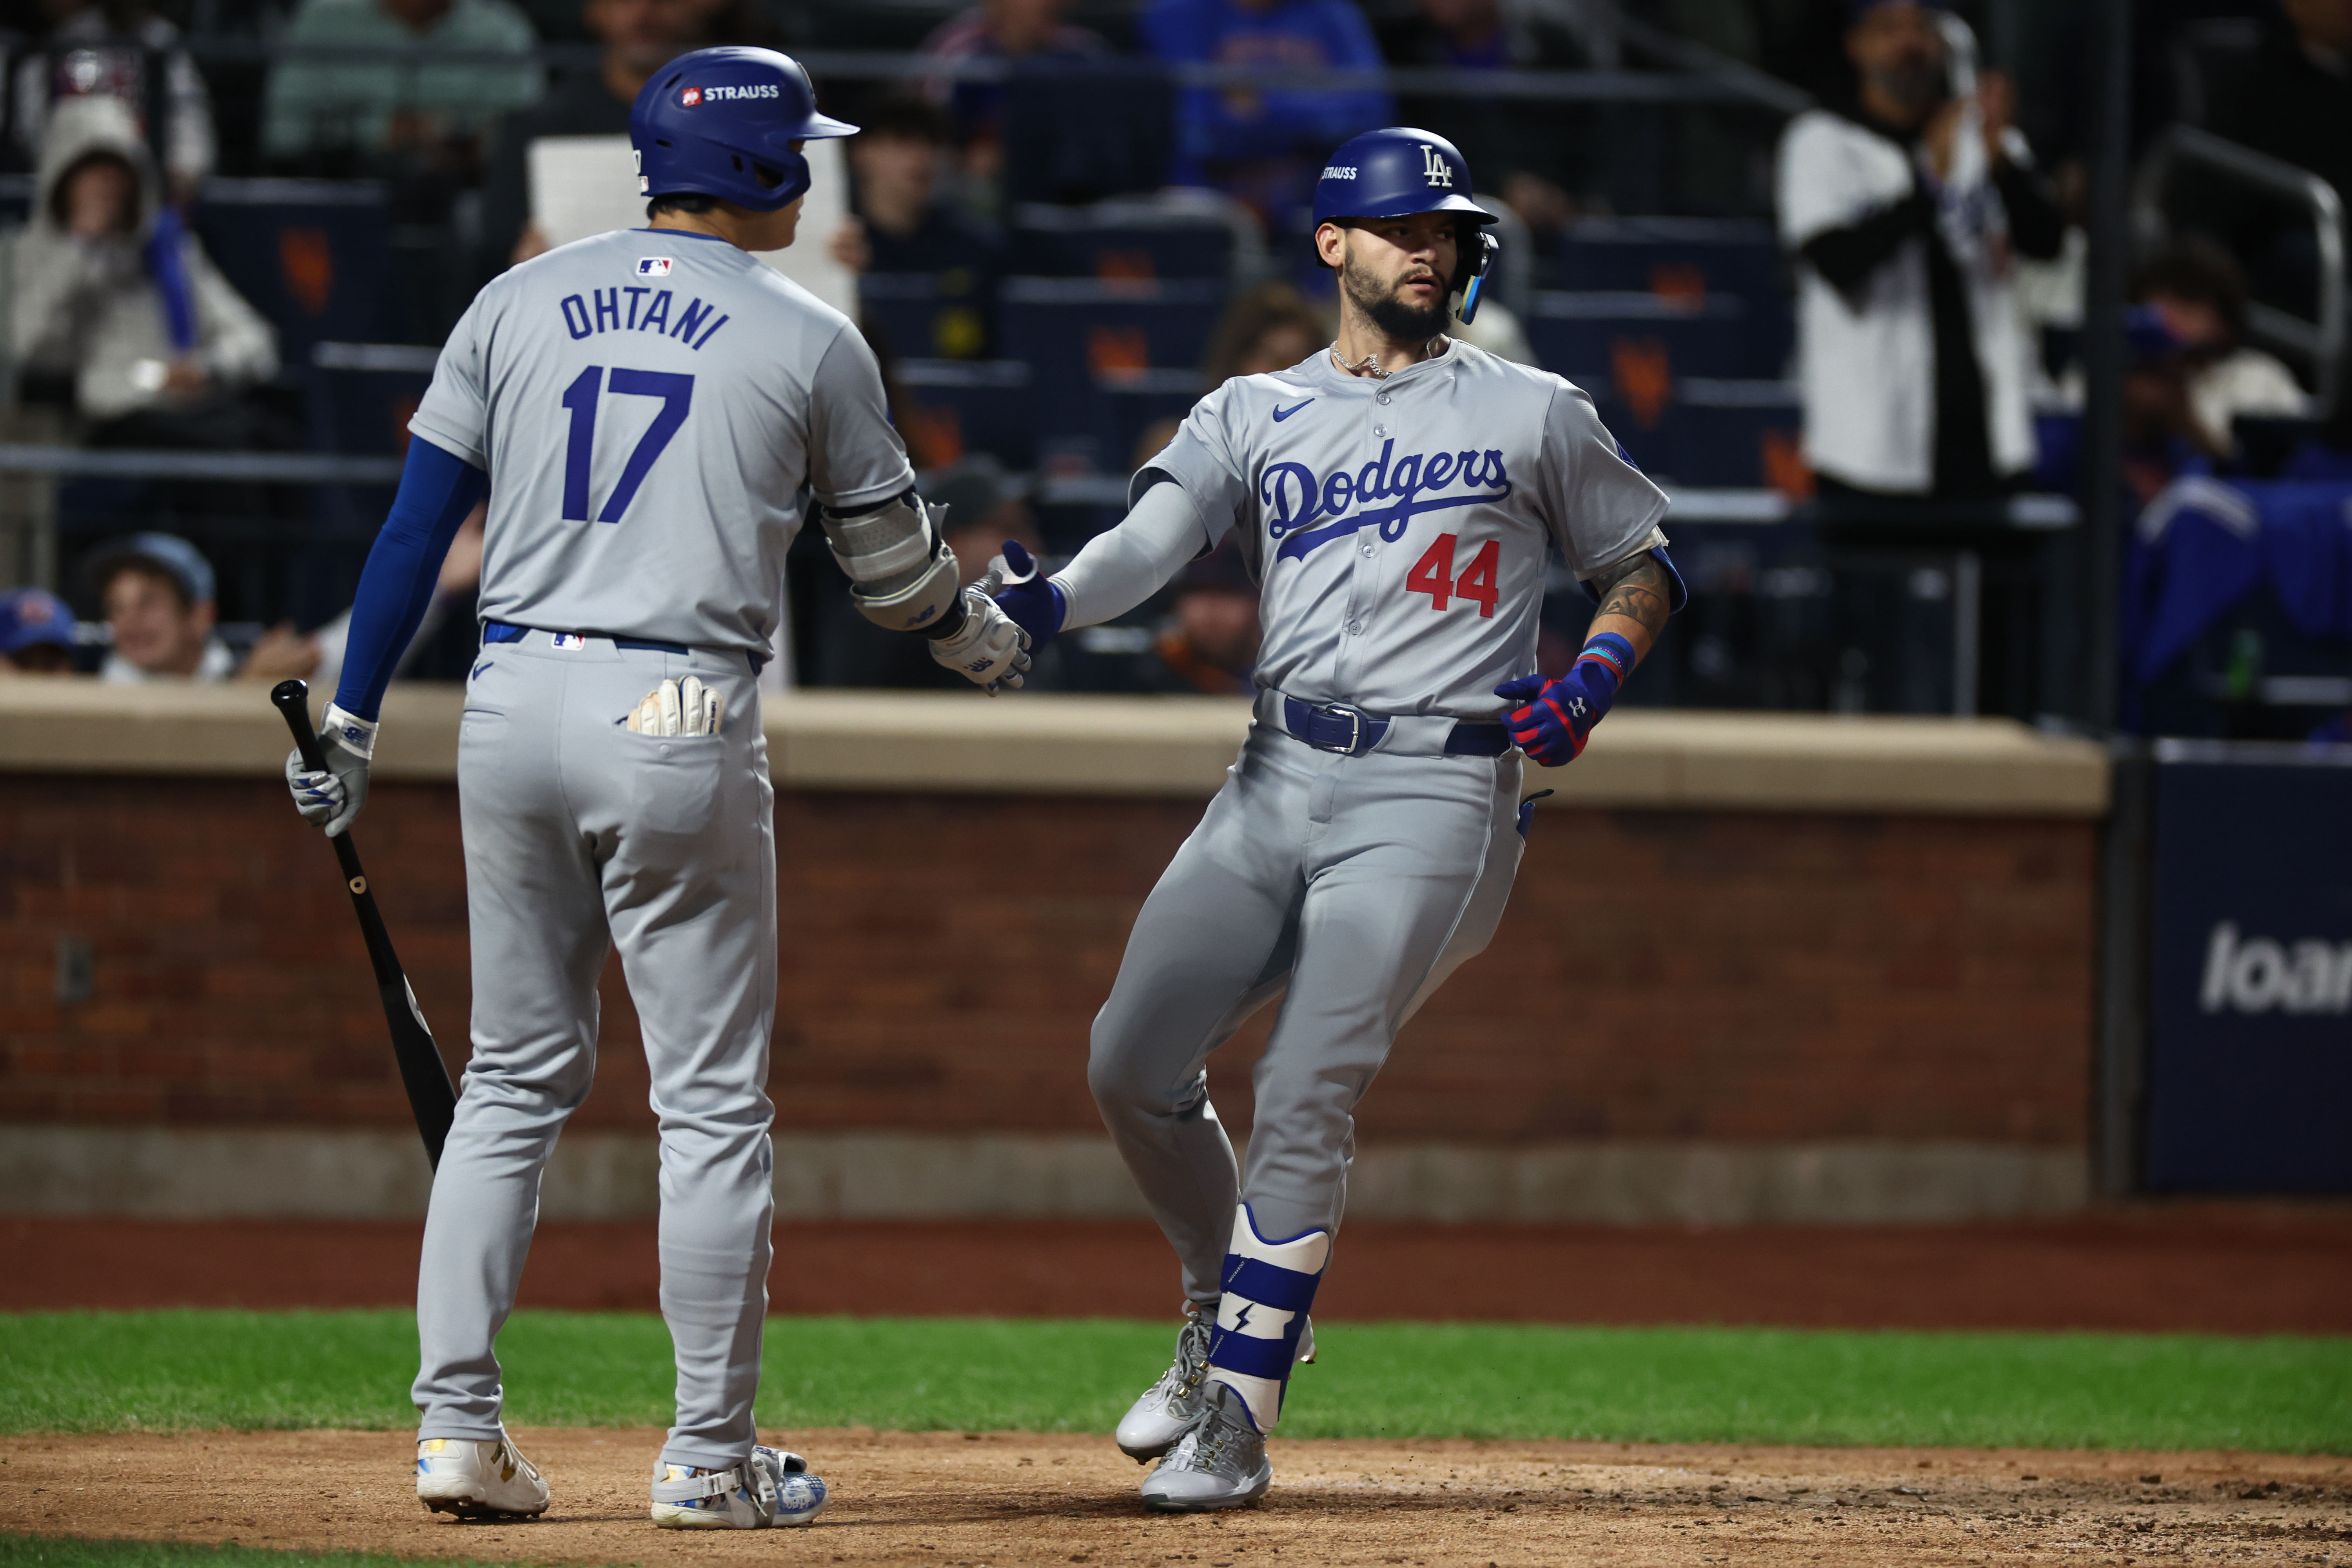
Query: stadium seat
point(1078, 333)
point(1622, 335)
point(927, 315)
point(972, 406)
point(1685, 257)
point(362, 394)
point(1715, 435)
point(1133, 402)
point(1172, 234)
point(1083, 129)
point(315, 257)
point(1739, 435)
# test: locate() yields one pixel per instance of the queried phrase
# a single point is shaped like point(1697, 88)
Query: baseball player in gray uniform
point(648, 411)
point(1396, 496)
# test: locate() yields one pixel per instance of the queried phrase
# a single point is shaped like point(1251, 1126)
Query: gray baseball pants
point(1358, 884)
point(581, 836)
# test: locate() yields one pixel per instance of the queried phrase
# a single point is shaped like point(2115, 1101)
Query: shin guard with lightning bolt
point(1269, 1286)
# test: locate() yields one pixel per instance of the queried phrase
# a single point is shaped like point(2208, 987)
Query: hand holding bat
point(431, 1096)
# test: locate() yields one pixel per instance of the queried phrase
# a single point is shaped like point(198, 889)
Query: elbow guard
point(902, 575)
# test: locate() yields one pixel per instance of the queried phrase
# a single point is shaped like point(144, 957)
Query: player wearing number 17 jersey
point(1396, 496)
point(648, 411)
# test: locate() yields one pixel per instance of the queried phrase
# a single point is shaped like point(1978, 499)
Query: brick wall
point(1729, 976)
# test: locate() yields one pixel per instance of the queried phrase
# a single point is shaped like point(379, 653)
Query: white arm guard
point(902, 575)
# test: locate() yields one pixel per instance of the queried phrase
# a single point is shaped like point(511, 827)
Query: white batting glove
point(990, 650)
point(331, 798)
point(678, 707)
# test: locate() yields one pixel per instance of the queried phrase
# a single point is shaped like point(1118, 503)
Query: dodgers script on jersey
point(1398, 527)
point(651, 405)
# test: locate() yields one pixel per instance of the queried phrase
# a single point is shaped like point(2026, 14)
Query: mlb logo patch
point(690, 96)
point(652, 265)
point(570, 641)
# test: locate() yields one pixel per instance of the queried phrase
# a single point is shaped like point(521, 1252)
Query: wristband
point(350, 731)
point(1611, 649)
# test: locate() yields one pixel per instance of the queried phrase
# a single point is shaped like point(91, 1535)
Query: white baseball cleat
point(478, 1480)
point(1219, 1463)
point(1153, 1422)
point(772, 1488)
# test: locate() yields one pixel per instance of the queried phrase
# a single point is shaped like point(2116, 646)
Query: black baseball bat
point(431, 1096)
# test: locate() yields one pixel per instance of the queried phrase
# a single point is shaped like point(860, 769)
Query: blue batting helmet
point(1394, 173)
point(721, 122)
point(1398, 172)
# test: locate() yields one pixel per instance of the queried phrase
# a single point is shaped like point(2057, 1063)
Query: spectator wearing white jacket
point(112, 295)
point(1904, 209)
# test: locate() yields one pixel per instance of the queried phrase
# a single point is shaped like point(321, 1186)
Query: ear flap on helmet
point(1479, 249)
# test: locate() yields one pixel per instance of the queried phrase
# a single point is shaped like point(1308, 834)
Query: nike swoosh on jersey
point(1282, 413)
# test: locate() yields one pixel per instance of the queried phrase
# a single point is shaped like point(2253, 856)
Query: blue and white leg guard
point(1269, 1286)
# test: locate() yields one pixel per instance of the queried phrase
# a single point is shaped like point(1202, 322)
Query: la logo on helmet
point(1434, 170)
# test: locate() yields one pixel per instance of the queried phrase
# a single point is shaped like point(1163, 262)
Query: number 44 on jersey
point(1433, 574)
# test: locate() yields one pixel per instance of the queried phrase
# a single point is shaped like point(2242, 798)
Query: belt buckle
point(1355, 717)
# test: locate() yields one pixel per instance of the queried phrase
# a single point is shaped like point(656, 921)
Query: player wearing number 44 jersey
point(647, 411)
point(1395, 496)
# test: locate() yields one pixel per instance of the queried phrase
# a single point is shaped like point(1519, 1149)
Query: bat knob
point(290, 694)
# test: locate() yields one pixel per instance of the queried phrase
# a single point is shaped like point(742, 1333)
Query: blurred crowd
point(1927, 209)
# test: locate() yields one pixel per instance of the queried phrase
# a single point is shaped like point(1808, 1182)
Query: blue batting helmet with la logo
point(1400, 172)
point(1394, 174)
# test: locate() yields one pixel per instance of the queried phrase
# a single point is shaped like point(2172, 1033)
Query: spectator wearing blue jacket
point(1265, 145)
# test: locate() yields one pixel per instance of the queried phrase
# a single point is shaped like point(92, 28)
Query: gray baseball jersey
point(1399, 530)
point(1398, 527)
point(651, 405)
point(652, 408)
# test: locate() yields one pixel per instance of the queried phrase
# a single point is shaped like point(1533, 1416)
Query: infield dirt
point(951, 1499)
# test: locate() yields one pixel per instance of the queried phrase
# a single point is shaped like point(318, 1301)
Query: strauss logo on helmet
point(690, 98)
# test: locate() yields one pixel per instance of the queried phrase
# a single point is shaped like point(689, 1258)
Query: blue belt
point(1336, 727)
point(507, 631)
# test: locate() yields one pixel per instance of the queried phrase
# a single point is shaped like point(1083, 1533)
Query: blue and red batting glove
point(1554, 718)
point(1034, 604)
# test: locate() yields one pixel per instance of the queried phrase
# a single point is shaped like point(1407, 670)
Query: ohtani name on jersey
point(1297, 497)
point(694, 326)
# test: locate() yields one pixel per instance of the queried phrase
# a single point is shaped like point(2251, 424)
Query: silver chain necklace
point(1372, 367)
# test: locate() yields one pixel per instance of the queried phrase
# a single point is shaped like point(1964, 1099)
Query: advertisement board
point(2250, 975)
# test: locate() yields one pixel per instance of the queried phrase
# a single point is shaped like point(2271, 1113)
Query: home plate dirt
point(951, 1499)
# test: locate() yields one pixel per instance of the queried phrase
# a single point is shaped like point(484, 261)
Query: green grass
point(71, 1552)
point(101, 1371)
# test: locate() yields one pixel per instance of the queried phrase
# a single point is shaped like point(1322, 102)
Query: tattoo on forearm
point(1635, 589)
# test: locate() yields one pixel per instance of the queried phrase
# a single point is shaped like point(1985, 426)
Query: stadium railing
point(2318, 342)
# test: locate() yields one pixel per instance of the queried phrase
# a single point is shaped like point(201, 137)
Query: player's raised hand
point(1034, 604)
point(1551, 720)
point(990, 650)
